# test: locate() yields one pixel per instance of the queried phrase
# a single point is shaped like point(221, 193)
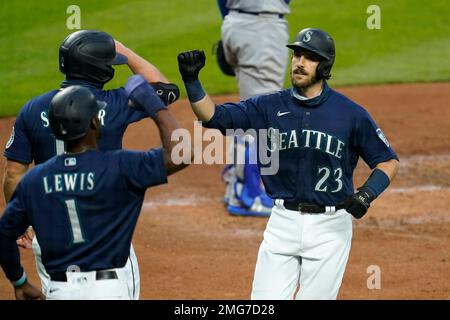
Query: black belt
point(259, 13)
point(99, 275)
point(308, 207)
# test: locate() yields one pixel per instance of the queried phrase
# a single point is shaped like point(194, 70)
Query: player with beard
point(320, 135)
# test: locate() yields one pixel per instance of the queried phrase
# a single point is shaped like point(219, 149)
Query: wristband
point(377, 182)
point(194, 91)
point(143, 95)
point(21, 281)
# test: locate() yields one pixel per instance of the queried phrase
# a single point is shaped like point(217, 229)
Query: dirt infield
point(190, 248)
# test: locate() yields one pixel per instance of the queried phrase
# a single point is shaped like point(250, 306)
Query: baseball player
point(86, 58)
point(84, 233)
point(319, 134)
point(248, 26)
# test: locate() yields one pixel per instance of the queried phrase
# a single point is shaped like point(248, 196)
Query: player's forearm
point(167, 124)
point(190, 63)
point(204, 109)
point(390, 168)
point(139, 65)
point(380, 178)
point(14, 171)
point(8, 188)
point(201, 103)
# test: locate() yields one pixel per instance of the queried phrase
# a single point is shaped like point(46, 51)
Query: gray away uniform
point(255, 44)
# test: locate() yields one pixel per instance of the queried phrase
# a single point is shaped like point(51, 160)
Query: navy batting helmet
point(89, 54)
point(71, 111)
point(320, 43)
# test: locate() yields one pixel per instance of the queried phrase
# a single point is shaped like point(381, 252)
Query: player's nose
point(298, 61)
point(301, 61)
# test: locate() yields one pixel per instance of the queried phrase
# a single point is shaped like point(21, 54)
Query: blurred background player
point(84, 204)
point(86, 58)
point(254, 35)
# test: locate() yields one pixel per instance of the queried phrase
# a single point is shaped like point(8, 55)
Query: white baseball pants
point(84, 286)
point(306, 250)
point(131, 271)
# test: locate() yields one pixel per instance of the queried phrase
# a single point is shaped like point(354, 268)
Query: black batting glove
point(190, 63)
point(358, 204)
point(167, 92)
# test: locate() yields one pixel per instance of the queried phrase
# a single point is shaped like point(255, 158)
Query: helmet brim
point(301, 45)
point(119, 59)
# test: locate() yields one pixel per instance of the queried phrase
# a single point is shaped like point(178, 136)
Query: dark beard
point(310, 83)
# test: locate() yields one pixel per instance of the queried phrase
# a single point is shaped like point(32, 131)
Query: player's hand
point(358, 204)
point(167, 92)
point(190, 63)
point(28, 292)
point(25, 240)
point(120, 48)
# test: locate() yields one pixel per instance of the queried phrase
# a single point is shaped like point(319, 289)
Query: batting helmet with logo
point(71, 111)
point(320, 43)
point(89, 54)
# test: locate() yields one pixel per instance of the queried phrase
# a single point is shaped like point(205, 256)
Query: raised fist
point(190, 63)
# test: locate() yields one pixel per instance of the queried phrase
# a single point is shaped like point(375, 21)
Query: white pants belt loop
point(330, 209)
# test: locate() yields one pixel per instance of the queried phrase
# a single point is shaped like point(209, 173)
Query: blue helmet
point(71, 111)
point(89, 55)
point(320, 43)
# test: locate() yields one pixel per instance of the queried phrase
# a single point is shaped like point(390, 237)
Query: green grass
point(412, 45)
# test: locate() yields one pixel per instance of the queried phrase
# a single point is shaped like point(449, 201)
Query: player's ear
point(96, 126)
point(95, 123)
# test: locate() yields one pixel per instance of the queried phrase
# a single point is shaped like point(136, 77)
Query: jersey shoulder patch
point(382, 137)
point(11, 139)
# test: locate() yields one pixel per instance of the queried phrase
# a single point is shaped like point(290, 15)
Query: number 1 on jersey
point(74, 221)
